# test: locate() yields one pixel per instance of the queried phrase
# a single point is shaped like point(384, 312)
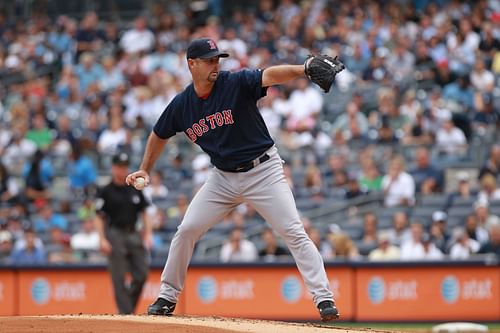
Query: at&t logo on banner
point(450, 289)
point(40, 291)
point(376, 290)
point(207, 289)
point(291, 289)
point(453, 289)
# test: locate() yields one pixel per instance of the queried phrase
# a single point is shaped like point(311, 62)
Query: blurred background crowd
point(400, 160)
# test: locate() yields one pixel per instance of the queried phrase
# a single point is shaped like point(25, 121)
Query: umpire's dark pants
point(127, 255)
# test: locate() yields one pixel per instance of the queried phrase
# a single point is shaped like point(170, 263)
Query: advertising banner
point(274, 293)
point(65, 291)
point(421, 293)
point(77, 291)
point(8, 295)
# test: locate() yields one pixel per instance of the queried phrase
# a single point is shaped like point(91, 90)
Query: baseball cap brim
point(213, 54)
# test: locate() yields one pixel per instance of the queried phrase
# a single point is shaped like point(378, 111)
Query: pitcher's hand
point(130, 180)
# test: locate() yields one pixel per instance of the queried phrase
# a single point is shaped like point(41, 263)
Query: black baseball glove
point(322, 69)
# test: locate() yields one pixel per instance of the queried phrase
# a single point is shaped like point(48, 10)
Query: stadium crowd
point(422, 77)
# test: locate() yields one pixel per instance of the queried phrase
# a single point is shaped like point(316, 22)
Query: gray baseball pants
point(266, 189)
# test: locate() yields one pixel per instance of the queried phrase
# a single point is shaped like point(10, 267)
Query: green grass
point(404, 327)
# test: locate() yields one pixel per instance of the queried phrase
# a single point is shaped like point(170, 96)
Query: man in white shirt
point(420, 246)
point(238, 249)
point(87, 239)
point(305, 104)
point(450, 139)
point(138, 39)
point(464, 246)
point(398, 185)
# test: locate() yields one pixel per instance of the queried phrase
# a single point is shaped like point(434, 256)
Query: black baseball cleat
point(328, 311)
point(161, 307)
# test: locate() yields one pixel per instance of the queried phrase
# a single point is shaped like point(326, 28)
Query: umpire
point(118, 208)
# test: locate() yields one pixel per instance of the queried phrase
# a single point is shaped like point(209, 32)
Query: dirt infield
point(148, 324)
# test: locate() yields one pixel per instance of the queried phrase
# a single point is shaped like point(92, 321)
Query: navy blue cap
point(204, 48)
point(121, 159)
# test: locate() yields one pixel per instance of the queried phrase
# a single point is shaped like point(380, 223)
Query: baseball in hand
point(139, 183)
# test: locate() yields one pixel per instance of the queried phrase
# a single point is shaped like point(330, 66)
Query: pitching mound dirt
point(148, 324)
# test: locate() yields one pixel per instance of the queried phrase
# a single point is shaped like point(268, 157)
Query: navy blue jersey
point(227, 125)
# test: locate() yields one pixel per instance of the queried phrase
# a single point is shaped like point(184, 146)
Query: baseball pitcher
point(218, 112)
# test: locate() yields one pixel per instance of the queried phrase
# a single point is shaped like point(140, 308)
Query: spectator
point(428, 179)
point(376, 71)
point(400, 63)
point(178, 173)
point(238, 248)
point(114, 138)
point(9, 189)
point(58, 246)
point(313, 183)
point(398, 185)
point(358, 62)
point(385, 250)
point(438, 230)
point(400, 232)
point(87, 208)
point(18, 151)
point(489, 44)
point(82, 173)
point(139, 38)
point(305, 102)
point(353, 188)
point(420, 247)
point(489, 191)
point(352, 114)
point(201, 169)
point(6, 243)
point(464, 190)
point(179, 210)
point(425, 67)
point(460, 92)
point(271, 250)
point(443, 74)
point(38, 177)
point(40, 134)
point(112, 77)
point(87, 238)
point(48, 219)
point(156, 189)
point(28, 253)
point(88, 71)
point(484, 218)
point(64, 138)
point(342, 245)
point(493, 246)
point(370, 179)
point(476, 231)
point(369, 240)
point(462, 246)
point(336, 171)
point(88, 36)
point(481, 78)
point(450, 140)
point(492, 165)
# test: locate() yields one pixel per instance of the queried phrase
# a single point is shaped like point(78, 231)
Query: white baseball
point(139, 183)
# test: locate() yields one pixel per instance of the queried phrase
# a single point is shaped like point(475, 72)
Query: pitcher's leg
point(212, 202)
point(273, 199)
